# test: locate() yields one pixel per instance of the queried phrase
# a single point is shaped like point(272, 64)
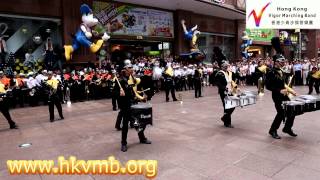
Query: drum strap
point(228, 79)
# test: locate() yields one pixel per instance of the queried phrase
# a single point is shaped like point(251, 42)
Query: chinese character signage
point(262, 35)
point(134, 21)
point(282, 14)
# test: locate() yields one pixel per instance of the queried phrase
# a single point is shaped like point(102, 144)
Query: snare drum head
point(317, 98)
point(307, 97)
point(244, 97)
point(307, 101)
point(295, 103)
point(250, 92)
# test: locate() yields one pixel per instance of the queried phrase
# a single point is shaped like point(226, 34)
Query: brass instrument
point(135, 82)
point(169, 71)
point(316, 75)
point(234, 85)
point(53, 88)
point(263, 69)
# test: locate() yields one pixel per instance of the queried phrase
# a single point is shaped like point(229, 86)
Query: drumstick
point(119, 83)
point(144, 90)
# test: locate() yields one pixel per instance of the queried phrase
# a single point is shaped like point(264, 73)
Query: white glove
point(88, 35)
point(105, 37)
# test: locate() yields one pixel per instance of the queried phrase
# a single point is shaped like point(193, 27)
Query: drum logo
point(258, 17)
point(145, 116)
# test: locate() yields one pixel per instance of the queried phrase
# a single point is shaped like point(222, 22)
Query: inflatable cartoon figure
point(84, 34)
point(191, 35)
point(246, 42)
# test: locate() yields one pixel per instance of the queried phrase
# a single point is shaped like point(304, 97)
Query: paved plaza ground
point(188, 140)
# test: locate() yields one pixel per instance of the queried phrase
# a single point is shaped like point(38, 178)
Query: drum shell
point(244, 100)
point(252, 99)
point(318, 104)
point(309, 106)
point(317, 101)
point(231, 102)
point(143, 114)
point(294, 108)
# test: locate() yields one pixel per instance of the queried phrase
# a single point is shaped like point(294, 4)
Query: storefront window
point(207, 41)
point(30, 35)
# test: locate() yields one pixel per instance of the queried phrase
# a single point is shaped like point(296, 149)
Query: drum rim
point(141, 106)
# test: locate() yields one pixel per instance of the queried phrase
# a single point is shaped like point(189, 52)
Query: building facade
point(221, 22)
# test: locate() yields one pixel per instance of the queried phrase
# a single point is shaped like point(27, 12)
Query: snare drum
point(293, 108)
point(231, 102)
point(317, 99)
point(252, 99)
point(310, 102)
point(244, 100)
point(141, 114)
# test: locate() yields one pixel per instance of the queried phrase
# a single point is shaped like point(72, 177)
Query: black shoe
point(167, 100)
point(274, 134)
point(124, 148)
point(14, 127)
point(228, 126)
point(290, 132)
point(175, 100)
point(145, 142)
point(51, 120)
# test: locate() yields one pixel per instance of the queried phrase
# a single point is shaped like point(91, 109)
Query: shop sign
point(153, 53)
point(134, 21)
point(288, 39)
point(264, 35)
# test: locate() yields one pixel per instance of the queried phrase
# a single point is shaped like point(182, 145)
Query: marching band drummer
point(275, 82)
point(54, 98)
point(126, 99)
point(226, 85)
point(4, 107)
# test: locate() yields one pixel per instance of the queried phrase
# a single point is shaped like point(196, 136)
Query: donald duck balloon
point(246, 42)
point(84, 34)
